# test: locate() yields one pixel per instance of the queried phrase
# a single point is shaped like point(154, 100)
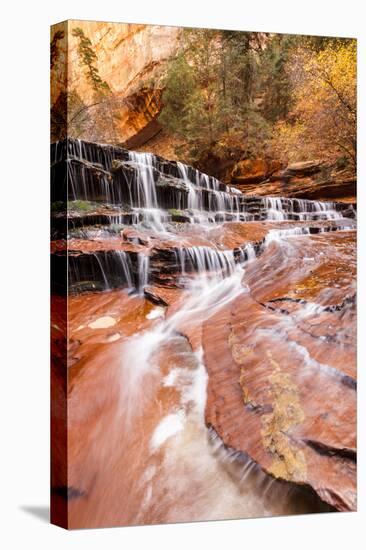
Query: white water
point(247, 253)
point(186, 462)
point(168, 426)
point(277, 235)
point(147, 204)
point(125, 264)
point(146, 192)
point(191, 455)
point(207, 262)
point(143, 262)
point(219, 201)
point(194, 198)
point(279, 209)
point(207, 199)
point(274, 208)
point(204, 297)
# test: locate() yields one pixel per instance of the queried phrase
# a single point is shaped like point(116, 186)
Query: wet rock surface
point(211, 340)
point(282, 368)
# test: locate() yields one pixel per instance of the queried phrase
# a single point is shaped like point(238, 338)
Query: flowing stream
point(140, 451)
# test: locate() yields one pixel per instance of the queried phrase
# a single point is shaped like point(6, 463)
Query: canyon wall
point(127, 57)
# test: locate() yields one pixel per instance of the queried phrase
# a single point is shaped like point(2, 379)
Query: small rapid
point(153, 192)
point(159, 256)
point(182, 451)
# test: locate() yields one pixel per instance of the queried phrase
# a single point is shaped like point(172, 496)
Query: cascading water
point(280, 209)
point(141, 183)
point(194, 202)
point(274, 208)
point(143, 271)
point(206, 261)
point(175, 260)
point(146, 200)
point(100, 271)
point(134, 189)
point(146, 191)
point(219, 201)
point(205, 295)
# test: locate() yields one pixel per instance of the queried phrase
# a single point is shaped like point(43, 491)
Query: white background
point(24, 310)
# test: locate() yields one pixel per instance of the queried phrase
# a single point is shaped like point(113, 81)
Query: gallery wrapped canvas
point(203, 258)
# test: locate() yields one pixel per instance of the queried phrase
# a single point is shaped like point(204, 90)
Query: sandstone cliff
point(127, 57)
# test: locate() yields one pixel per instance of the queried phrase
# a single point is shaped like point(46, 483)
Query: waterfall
point(149, 187)
point(145, 199)
point(279, 209)
point(146, 191)
point(274, 208)
point(194, 198)
point(143, 263)
point(205, 261)
point(194, 202)
point(180, 270)
point(219, 200)
point(275, 235)
point(100, 271)
point(102, 155)
point(247, 253)
point(125, 266)
point(121, 187)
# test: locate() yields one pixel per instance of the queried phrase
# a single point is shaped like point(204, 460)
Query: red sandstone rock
point(282, 390)
point(254, 171)
point(300, 180)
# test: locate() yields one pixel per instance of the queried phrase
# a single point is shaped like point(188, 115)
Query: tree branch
point(84, 108)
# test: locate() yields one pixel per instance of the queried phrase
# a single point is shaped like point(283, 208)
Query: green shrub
point(81, 206)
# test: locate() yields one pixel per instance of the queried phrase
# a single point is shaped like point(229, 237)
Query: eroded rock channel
point(210, 341)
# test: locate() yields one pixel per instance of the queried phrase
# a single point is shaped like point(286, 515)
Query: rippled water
point(139, 449)
point(153, 458)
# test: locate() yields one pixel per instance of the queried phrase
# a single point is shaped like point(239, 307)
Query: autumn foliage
point(323, 119)
point(250, 95)
point(228, 96)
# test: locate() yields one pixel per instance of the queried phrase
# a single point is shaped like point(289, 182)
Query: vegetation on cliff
point(239, 94)
point(71, 115)
point(221, 98)
point(323, 119)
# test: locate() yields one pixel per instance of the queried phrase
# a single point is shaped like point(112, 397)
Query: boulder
point(304, 188)
point(162, 296)
point(302, 169)
point(254, 170)
point(134, 236)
